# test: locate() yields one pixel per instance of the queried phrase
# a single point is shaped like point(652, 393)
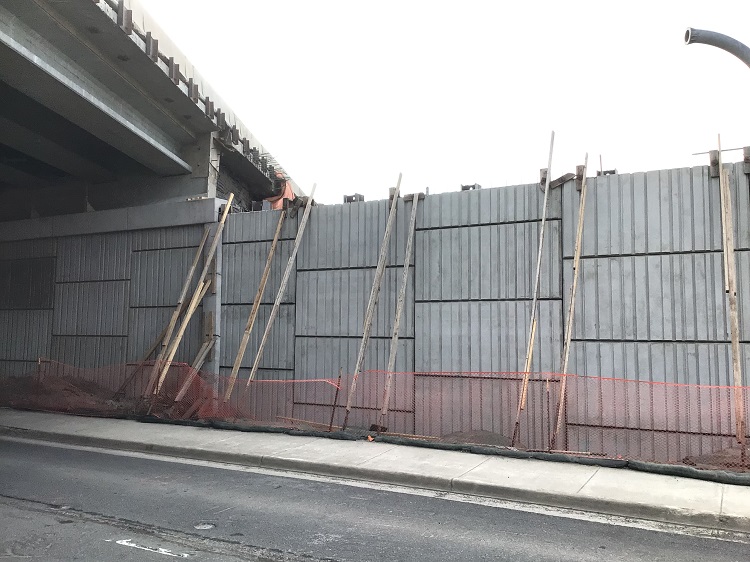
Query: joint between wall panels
point(258, 241)
point(351, 268)
point(654, 341)
point(164, 249)
point(645, 254)
point(515, 299)
point(352, 337)
point(478, 224)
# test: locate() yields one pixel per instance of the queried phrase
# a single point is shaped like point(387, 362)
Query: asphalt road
point(76, 504)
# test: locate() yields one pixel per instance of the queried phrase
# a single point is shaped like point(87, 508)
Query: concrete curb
point(431, 482)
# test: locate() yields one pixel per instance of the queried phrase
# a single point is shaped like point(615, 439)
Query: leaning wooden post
point(195, 367)
point(166, 335)
point(731, 283)
point(535, 298)
point(399, 311)
point(194, 303)
point(142, 362)
point(282, 287)
point(372, 303)
point(571, 308)
point(254, 310)
point(172, 349)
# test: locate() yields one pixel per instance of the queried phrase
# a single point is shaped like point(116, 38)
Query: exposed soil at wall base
point(61, 394)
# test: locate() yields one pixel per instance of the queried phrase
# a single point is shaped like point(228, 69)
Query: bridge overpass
point(99, 111)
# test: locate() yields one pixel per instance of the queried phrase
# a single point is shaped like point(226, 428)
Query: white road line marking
point(164, 551)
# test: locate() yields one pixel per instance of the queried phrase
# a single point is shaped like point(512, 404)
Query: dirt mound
point(478, 437)
point(60, 394)
point(730, 458)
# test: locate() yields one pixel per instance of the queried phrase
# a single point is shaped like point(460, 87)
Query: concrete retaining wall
point(97, 288)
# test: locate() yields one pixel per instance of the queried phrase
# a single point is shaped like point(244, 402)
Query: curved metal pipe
point(724, 42)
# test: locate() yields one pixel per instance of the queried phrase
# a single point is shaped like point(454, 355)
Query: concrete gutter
point(612, 491)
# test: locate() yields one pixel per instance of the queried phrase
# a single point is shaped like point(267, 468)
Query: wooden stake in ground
point(372, 303)
point(571, 308)
point(335, 400)
point(172, 348)
point(535, 298)
point(166, 335)
point(399, 311)
point(731, 270)
point(254, 310)
point(282, 287)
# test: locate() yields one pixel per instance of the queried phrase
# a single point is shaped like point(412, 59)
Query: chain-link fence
point(695, 425)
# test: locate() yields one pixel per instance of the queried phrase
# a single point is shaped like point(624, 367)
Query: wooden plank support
point(373, 301)
point(195, 367)
point(571, 308)
point(192, 307)
point(166, 335)
point(254, 310)
point(399, 311)
point(535, 300)
point(731, 282)
point(282, 287)
point(142, 362)
point(201, 289)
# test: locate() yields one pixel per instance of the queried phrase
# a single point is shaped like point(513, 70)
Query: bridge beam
point(35, 67)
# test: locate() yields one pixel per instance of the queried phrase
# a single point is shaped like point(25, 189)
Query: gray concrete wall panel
point(158, 276)
point(27, 283)
point(17, 368)
point(660, 211)
point(448, 405)
point(488, 262)
point(740, 187)
point(145, 325)
point(91, 309)
point(279, 350)
point(26, 334)
point(98, 257)
point(486, 336)
point(89, 352)
point(259, 226)
point(334, 302)
point(264, 401)
point(350, 235)
point(321, 358)
point(518, 203)
point(243, 265)
point(671, 362)
point(656, 297)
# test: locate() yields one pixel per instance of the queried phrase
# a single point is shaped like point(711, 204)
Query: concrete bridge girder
point(33, 66)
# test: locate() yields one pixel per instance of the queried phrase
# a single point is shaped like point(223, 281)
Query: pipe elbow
point(720, 41)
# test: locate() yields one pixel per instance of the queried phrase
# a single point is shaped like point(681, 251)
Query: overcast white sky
point(348, 94)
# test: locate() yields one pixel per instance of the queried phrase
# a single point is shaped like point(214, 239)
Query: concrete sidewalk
point(603, 490)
